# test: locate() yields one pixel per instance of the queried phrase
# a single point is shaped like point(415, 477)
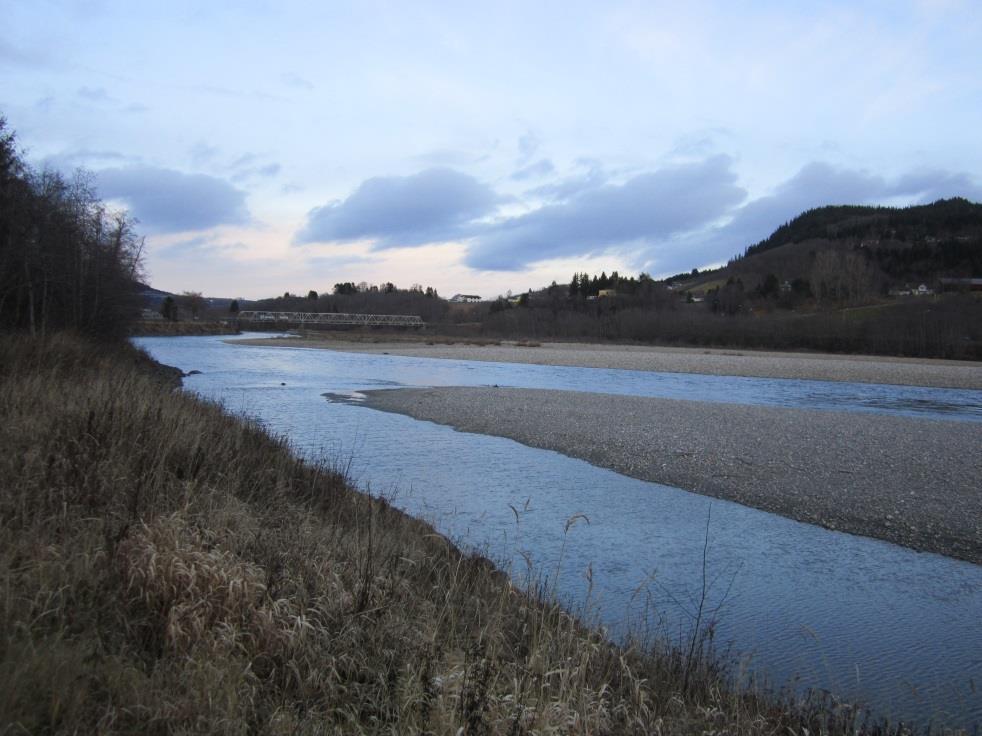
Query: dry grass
point(166, 568)
point(167, 328)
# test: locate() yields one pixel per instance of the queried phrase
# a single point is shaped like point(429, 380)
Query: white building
point(464, 298)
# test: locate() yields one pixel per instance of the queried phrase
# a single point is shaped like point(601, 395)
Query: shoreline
point(225, 583)
point(904, 480)
point(721, 362)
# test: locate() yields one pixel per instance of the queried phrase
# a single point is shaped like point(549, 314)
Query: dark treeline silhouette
point(348, 297)
point(762, 312)
point(66, 260)
point(946, 327)
point(642, 290)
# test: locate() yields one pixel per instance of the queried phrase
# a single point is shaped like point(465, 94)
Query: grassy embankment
point(168, 568)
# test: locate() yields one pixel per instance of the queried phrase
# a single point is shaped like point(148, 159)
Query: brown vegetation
point(168, 568)
point(169, 328)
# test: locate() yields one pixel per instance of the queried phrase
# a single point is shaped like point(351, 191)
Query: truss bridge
point(329, 318)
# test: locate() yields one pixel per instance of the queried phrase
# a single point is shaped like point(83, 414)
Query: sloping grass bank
point(166, 568)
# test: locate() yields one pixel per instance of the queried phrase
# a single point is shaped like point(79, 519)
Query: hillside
point(891, 246)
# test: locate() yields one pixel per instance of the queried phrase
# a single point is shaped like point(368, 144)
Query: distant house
point(908, 290)
point(464, 299)
point(150, 314)
point(607, 293)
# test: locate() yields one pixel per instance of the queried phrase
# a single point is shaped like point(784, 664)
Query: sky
point(482, 148)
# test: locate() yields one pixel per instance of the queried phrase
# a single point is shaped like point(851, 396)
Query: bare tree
point(193, 302)
point(65, 260)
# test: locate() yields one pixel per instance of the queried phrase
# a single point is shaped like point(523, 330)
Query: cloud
point(819, 184)
point(11, 55)
point(197, 247)
point(540, 168)
point(246, 159)
point(248, 166)
point(68, 161)
point(648, 207)
point(816, 185)
point(338, 262)
point(662, 221)
point(698, 143)
point(435, 205)
point(167, 201)
point(264, 171)
point(202, 153)
point(930, 185)
point(448, 157)
point(94, 94)
point(296, 81)
point(528, 144)
point(594, 177)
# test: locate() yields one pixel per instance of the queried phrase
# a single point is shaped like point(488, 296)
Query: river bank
point(169, 328)
point(812, 366)
point(169, 567)
point(909, 481)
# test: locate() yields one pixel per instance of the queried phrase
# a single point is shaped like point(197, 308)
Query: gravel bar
point(717, 362)
point(915, 482)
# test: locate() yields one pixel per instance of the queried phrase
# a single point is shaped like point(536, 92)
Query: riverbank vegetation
point(174, 328)
point(168, 568)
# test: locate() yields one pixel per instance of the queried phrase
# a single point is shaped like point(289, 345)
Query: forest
point(67, 261)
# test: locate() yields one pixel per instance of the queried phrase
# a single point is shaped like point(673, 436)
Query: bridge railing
point(330, 318)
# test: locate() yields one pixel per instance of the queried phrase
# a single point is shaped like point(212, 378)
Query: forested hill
point(947, 219)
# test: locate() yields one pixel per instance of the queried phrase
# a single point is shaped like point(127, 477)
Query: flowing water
point(803, 606)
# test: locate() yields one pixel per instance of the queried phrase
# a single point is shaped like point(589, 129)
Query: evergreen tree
point(168, 309)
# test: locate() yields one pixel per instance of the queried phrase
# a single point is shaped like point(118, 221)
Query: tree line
point(67, 261)
point(348, 297)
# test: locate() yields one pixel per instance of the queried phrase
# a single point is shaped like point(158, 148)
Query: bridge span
point(329, 318)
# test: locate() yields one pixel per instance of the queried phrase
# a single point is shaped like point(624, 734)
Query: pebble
point(848, 470)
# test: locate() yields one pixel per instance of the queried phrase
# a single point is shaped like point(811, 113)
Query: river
point(798, 605)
